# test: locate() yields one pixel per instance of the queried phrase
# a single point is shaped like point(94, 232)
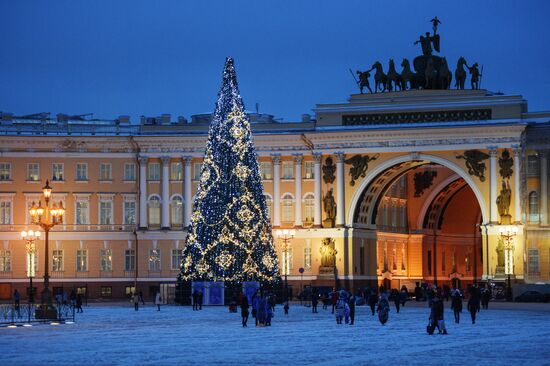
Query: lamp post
point(507, 234)
point(30, 237)
point(47, 217)
point(286, 236)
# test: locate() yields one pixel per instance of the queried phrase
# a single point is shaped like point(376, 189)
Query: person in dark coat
point(485, 297)
point(373, 300)
point(195, 297)
point(79, 303)
point(333, 299)
point(456, 304)
point(437, 311)
point(351, 304)
point(473, 304)
point(200, 300)
point(244, 309)
point(396, 299)
point(314, 301)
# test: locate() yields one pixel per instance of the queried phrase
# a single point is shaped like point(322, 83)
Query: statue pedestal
point(328, 223)
point(326, 272)
point(506, 219)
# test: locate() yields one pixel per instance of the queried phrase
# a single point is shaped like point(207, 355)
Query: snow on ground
point(114, 334)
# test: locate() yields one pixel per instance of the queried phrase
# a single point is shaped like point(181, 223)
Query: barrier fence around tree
point(30, 313)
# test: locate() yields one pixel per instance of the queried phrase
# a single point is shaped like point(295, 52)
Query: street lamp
point(47, 218)
point(30, 237)
point(507, 234)
point(286, 236)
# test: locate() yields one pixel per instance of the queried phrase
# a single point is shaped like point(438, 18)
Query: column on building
point(188, 206)
point(517, 195)
point(543, 187)
point(493, 185)
point(276, 190)
point(165, 213)
point(298, 189)
point(317, 190)
point(340, 220)
point(143, 191)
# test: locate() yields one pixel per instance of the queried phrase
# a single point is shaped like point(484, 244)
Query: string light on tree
point(230, 235)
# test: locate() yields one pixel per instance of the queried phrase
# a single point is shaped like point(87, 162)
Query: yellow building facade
point(417, 178)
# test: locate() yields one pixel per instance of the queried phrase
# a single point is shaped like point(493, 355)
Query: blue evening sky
point(151, 57)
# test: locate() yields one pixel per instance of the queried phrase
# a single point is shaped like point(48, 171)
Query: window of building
point(129, 171)
point(106, 291)
point(105, 171)
point(105, 212)
point(5, 260)
point(177, 256)
point(5, 212)
point(394, 259)
point(129, 214)
point(106, 260)
point(307, 256)
point(533, 264)
point(57, 260)
point(266, 170)
point(176, 207)
point(309, 167)
point(533, 165)
point(154, 211)
point(129, 290)
point(33, 172)
point(58, 172)
point(288, 170)
point(82, 212)
point(533, 207)
point(403, 258)
point(154, 260)
point(309, 208)
point(197, 167)
point(287, 261)
point(288, 208)
point(153, 170)
point(5, 171)
point(81, 260)
point(269, 205)
point(129, 260)
point(81, 171)
point(176, 171)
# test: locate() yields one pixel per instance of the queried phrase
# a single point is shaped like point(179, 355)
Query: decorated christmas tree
point(230, 235)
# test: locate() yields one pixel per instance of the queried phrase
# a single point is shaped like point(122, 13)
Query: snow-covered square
point(115, 334)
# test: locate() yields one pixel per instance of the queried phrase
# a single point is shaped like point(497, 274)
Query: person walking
point(437, 312)
point(158, 300)
point(456, 303)
point(473, 304)
point(244, 309)
point(373, 300)
point(351, 304)
point(200, 300)
point(485, 297)
point(79, 303)
point(17, 301)
point(314, 301)
point(195, 300)
point(140, 298)
point(333, 299)
point(396, 299)
point(135, 299)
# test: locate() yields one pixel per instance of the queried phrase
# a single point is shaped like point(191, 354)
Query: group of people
point(263, 307)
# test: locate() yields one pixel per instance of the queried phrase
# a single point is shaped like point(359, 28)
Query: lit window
point(533, 265)
point(309, 207)
point(5, 171)
point(177, 256)
point(58, 172)
point(106, 291)
point(309, 167)
point(154, 260)
point(533, 207)
point(176, 171)
point(81, 260)
point(288, 208)
point(106, 260)
point(5, 261)
point(129, 212)
point(57, 261)
point(5, 212)
point(82, 212)
point(197, 167)
point(266, 170)
point(33, 172)
point(177, 211)
point(154, 211)
point(307, 256)
point(105, 212)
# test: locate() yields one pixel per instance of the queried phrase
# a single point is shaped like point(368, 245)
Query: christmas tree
point(230, 235)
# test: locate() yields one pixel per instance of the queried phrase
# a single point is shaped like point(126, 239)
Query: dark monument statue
point(328, 171)
point(503, 203)
point(422, 181)
point(506, 163)
point(330, 209)
point(475, 162)
point(360, 165)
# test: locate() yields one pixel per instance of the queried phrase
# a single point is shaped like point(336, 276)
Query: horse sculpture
point(380, 79)
point(445, 75)
point(431, 75)
point(460, 73)
point(408, 76)
point(393, 78)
